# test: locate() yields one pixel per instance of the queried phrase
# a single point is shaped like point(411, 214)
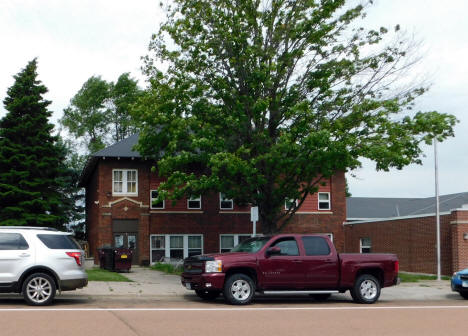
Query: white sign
point(254, 214)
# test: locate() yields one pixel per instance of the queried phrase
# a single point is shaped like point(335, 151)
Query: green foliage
point(97, 274)
point(412, 277)
point(167, 268)
point(32, 170)
point(263, 100)
point(99, 113)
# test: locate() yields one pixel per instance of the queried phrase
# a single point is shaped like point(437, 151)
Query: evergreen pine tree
point(31, 163)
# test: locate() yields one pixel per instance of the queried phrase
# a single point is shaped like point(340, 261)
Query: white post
point(437, 208)
point(254, 219)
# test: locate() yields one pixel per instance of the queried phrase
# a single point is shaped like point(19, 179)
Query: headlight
point(214, 266)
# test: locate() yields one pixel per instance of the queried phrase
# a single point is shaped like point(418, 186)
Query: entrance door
point(126, 235)
point(127, 240)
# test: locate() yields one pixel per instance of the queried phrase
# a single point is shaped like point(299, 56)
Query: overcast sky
point(74, 40)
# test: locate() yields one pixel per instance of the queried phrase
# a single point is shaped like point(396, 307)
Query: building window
point(324, 201)
point(366, 245)
point(124, 181)
point(289, 204)
point(194, 202)
point(175, 246)
point(153, 203)
point(227, 242)
point(225, 203)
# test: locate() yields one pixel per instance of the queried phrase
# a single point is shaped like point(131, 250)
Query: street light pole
point(436, 173)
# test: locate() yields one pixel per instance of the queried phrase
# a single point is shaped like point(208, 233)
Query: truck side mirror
point(275, 250)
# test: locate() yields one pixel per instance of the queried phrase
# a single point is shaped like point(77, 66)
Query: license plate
point(188, 285)
point(123, 256)
point(465, 284)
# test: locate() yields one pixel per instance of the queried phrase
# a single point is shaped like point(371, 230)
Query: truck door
point(320, 263)
point(285, 269)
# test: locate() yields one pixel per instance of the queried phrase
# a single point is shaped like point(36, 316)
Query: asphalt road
point(76, 315)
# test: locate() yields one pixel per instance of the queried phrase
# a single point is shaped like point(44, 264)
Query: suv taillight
point(76, 255)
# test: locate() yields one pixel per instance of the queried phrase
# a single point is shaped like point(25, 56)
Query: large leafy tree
point(99, 112)
point(31, 162)
point(263, 100)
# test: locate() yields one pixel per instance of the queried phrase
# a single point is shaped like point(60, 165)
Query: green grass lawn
point(97, 274)
point(167, 268)
point(410, 277)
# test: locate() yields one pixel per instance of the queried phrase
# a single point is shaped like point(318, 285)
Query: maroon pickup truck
point(289, 264)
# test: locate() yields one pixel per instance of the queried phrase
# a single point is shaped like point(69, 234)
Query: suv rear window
point(59, 242)
point(12, 241)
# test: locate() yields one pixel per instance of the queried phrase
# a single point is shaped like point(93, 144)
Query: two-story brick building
point(120, 211)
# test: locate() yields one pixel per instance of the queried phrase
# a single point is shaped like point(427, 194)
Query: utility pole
point(436, 173)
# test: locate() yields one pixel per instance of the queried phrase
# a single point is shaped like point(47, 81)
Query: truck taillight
point(397, 266)
point(76, 255)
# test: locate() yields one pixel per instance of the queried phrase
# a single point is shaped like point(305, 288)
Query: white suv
point(39, 261)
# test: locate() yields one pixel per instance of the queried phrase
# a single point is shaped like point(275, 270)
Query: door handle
point(24, 255)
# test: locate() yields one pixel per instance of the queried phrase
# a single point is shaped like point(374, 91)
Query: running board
point(302, 292)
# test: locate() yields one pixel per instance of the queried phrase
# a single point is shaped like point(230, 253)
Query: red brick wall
point(459, 227)
point(177, 219)
point(412, 240)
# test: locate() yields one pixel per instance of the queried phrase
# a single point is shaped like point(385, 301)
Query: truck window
point(251, 245)
point(288, 246)
point(315, 246)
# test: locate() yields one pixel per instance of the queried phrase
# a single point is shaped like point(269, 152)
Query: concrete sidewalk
point(147, 282)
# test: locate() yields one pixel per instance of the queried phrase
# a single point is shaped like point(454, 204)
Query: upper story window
point(194, 202)
point(154, 204)
point(225, 203)
point(125, 182)
point(324, 201)
point(290, 203)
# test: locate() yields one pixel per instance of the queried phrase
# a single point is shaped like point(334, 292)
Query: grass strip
point(97, 274)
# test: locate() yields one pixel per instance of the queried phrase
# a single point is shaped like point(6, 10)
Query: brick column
point(143, 237)
point(459, 231)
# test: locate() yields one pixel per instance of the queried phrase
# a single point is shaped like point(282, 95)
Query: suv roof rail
point(5, 227)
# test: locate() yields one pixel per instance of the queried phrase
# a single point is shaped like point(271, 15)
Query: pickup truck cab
point(289, 264)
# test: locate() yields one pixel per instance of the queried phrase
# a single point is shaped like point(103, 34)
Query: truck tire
point(39, 289)
point(207, 295)
point(239, 289)
point(366, 289)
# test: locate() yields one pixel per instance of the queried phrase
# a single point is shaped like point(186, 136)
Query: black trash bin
point(106, 258)
point(122, 259)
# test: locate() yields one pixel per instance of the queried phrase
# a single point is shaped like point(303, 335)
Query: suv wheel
point(207, 295)
point(239, 289)
point(366, 289)
point(39, 289)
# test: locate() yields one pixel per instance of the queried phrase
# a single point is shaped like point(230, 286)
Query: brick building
point(120, 212)
point(407, 227)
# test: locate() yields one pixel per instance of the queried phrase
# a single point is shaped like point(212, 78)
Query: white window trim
point(124, 182)
point(365, 246)
point(231, 200)
point(236, 238)
point(286, 204)
point(167, 243)
point(151, 201)
point(330, 235)
point(199, 198)
point(318, 201)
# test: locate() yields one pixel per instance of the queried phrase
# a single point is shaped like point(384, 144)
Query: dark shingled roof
point(121, 149)
point(364, 208)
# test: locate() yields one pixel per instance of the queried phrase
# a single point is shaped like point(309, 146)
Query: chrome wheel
point(368, 289)
point(39, 290)
point(240, 290)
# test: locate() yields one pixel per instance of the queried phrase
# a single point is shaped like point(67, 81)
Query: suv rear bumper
point(68, 285)
point(207, 281)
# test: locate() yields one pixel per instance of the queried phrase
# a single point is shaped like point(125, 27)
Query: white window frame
point(167, 242)
point(236, 238)
point(329, 201)
point(286, 203)
point(225, 200)
point(151, 201)
point(124, 191)
point(192, 198)
point(361, 246)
